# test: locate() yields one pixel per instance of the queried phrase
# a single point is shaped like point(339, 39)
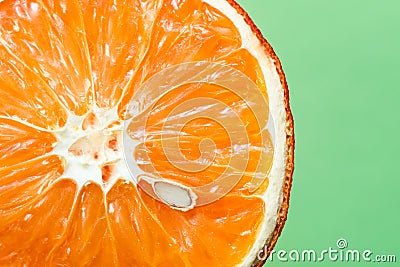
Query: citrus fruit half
point(140, 133)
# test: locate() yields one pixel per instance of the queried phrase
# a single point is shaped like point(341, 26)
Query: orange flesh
point(53, 63)
point(197, 130)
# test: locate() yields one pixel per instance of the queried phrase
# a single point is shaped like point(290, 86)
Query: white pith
point(85, 168)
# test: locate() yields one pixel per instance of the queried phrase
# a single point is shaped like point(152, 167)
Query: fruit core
point(91, 146)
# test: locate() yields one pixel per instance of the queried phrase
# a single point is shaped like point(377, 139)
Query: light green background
point(342, 62)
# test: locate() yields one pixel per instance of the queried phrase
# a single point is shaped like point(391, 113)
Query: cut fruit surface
point(140, 133)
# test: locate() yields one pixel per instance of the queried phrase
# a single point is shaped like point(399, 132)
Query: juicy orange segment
point(29, 239)
point(19, 143)
point(49, 38)
point(31, 98)
point(87, 237)
point(234, 227)
point(115, 55)
point(184, 31)
point(245, 62)
point(23, 183)
point(192, 134)
point(133, 225)
point(183, 237)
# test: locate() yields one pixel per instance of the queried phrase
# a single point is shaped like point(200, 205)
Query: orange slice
point(140, 133)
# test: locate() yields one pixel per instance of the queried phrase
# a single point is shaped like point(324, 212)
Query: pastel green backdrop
point(342, 63)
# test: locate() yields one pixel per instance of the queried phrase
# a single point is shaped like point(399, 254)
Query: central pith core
point(92, 148)
point(97, 148)
point(99, 145)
